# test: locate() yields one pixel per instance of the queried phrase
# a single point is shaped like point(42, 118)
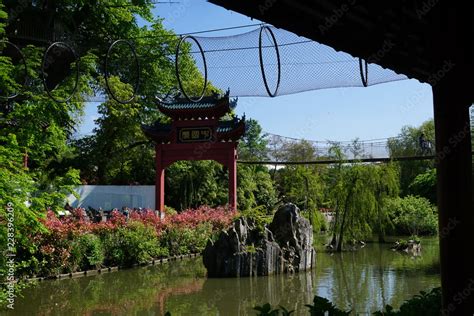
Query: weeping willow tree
point(386, 185)
point(356, 203)
point(358, 193)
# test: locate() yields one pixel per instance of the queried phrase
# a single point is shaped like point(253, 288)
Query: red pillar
point(160, 180)
point(232, 166)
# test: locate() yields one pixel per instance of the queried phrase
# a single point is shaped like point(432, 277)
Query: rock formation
point(244, 249)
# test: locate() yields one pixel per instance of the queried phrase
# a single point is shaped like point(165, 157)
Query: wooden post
point(160, 180)
point(455, 196)
point(232, 166)
point(25, 160)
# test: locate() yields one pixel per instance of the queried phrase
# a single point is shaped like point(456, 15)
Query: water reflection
point(363, 281)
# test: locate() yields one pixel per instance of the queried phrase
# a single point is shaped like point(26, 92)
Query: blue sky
point(333, 114)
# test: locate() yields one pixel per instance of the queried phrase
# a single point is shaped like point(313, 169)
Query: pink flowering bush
point(74, 243)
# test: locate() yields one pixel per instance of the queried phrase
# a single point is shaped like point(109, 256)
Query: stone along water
point(363, 281)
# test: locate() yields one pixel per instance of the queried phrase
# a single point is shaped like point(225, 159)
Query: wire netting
point(356, 149)
point(233, 62)
point(262, 62)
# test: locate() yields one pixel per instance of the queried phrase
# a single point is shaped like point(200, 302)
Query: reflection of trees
point(120, 293)
point(370, 278)
point(238, 296)
point(381, 275)
point(364, 280)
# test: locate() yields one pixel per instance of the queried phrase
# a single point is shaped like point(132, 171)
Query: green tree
point(299, 184)
point(120, 152)
point(407, 144)
point(253, 145)
point(413, 215)
point(358, 193)
point(302, 150)
point(255, 186)
point(424, 185)
point(385, 183)
point(195, 183)
point(355, 202)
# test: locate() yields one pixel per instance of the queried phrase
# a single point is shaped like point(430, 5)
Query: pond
point(363, 281)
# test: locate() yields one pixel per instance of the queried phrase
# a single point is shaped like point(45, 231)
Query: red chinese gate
point(196, 133)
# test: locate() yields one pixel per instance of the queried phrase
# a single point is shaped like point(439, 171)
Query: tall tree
point(300, 184)
point(358, 193)
point(253, 145)
point(385, 183)
point(408, 144)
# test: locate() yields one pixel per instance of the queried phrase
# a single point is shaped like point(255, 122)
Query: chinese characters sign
point(194, 134)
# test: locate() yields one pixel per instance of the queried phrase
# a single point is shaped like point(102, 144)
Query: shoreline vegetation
point(72, 244)
point(66, 244)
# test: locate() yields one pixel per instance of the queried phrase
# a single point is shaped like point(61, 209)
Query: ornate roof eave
point(210, 107)
point(159, 133)
point(233, 134)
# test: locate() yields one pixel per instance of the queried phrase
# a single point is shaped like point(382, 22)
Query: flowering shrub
point(74, 243)
point(220, 217)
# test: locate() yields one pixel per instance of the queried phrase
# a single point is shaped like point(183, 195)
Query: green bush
point(200, 237)
point(176, 240)
point(412, 216)
point(320, 307)
point(425, 303)
point(424, 185)
point(182, 241)
point(260, 216)
point(170, 211)
point(134, 243)
point(87, 252)
point(114, 254)
point(267, 310)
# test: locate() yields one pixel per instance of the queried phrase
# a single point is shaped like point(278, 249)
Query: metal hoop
point(178, 77)
point(106, 70)
point(365, 80)
point(262, 67)
point(13, 96)
point(43, 65)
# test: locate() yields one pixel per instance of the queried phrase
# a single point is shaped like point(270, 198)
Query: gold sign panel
point(194, 134)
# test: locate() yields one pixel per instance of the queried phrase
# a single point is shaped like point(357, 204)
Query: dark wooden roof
point(208, 107)
point(417, 38)
point(160, 133)
point(231, 130)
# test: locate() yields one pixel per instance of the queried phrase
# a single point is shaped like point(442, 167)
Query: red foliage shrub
point(220, 217)
point(76, 224)
point(188, 230)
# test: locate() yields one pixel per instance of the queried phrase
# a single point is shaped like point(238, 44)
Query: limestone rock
point(244, 250)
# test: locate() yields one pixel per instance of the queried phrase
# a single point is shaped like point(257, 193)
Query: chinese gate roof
point(214, 106)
